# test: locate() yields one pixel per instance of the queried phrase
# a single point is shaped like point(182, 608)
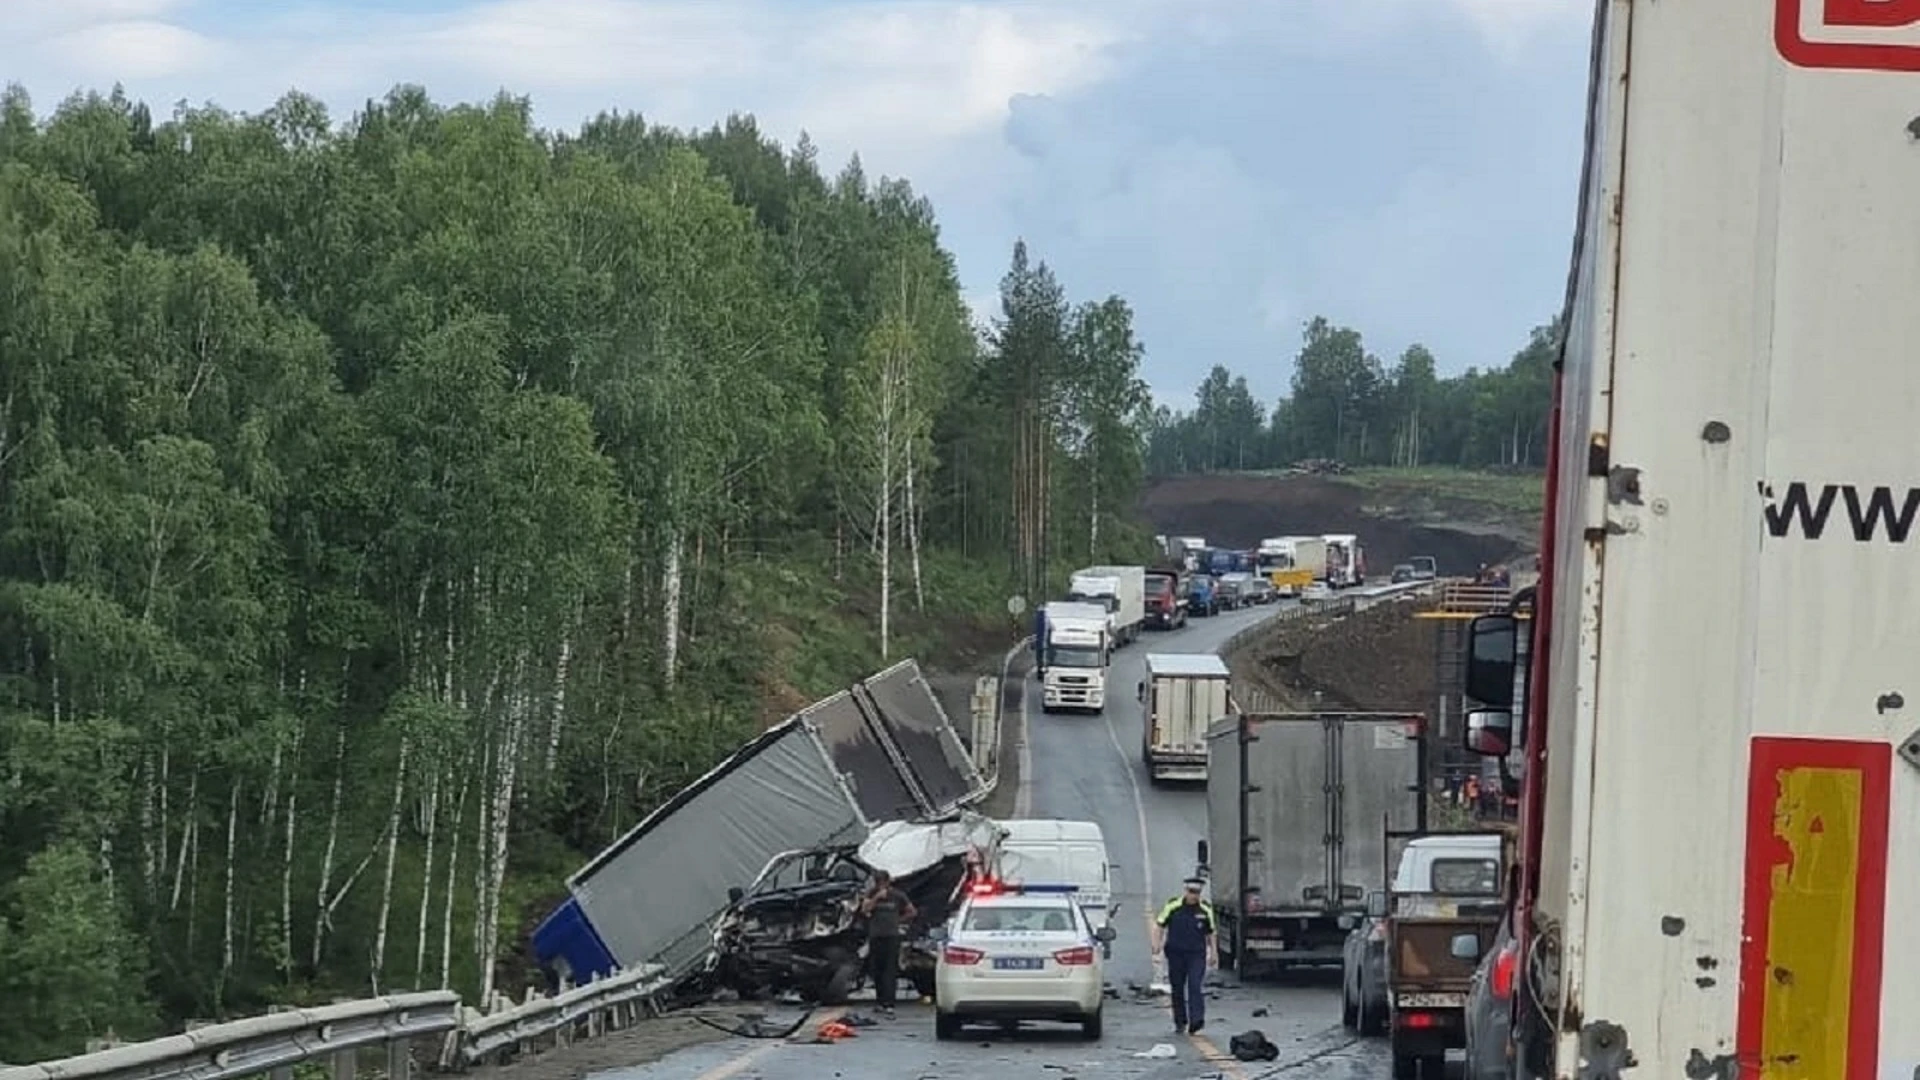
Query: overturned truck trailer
point(882, 750)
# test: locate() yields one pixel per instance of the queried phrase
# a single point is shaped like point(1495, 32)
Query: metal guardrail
point(984, 742)
point(611, 1003)
point(274, 1043)
point(1469, 598)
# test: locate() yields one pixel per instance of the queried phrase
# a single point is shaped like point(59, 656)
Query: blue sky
point(1231, 167)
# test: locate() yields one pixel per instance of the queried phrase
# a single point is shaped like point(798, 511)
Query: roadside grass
point(1512, 493)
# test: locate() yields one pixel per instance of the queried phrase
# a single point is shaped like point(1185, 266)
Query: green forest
point(393, 510)
point(1345, 405)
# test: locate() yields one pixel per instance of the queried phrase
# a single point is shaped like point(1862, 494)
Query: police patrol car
point(1020, 952)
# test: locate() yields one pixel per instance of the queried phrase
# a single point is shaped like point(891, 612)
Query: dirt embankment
point(1378, 660)
point(1238, 509)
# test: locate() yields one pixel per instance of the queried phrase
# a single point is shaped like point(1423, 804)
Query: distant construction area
point(1463, 519)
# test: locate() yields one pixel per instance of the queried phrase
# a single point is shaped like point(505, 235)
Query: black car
point(798, 928)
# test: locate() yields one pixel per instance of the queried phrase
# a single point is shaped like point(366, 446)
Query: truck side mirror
point(1377, 904)
point(1492, 649)
point(1105, 935)
point(1489, 732)
point(1201, 852)
point(735, 894)
point(1141, 691)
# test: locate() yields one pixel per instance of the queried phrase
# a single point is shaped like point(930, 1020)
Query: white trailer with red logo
point(1722, 737)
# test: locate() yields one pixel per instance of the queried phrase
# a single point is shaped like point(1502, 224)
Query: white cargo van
point(1051, 851)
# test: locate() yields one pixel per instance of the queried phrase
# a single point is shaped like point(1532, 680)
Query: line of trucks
point(1290, 563)
point(1107, 607)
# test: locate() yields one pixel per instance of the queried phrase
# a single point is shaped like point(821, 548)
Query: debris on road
point(1157, 1052)
point(1252, 1045)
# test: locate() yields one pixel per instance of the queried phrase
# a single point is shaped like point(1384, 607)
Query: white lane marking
point(1146, 846)
point(1023, 792)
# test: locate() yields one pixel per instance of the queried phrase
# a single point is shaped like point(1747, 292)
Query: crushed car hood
point(904, 848)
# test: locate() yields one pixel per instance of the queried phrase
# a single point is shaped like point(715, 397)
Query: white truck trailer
point(1122, 589)
point(1073, 660)
point(1183, 693)
point(1722, 795)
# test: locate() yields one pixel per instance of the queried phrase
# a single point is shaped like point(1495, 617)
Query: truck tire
point(839, 985)
point(1368, 1020)
point(1405, 1066)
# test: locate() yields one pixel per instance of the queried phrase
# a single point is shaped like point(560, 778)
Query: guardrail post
point(344, 1063)
point(399, 1059)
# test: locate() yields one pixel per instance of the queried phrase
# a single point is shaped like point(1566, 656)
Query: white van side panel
point(1729, 825)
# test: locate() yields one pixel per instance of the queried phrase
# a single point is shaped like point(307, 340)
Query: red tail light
point(984, 888)
point(1080, 956)
point(964, 957)
point(1418, 1020)
point(1503, 972)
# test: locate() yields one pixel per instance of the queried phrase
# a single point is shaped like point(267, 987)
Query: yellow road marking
point(1227, 1062)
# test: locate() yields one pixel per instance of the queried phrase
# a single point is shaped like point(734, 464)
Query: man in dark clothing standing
point(887, 910)
point(1183, 933)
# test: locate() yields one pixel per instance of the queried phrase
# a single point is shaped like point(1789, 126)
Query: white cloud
point(133, 50)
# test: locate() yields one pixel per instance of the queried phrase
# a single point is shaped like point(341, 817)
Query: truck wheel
point(1349, 1010)
point(1367, 1020)
point(1405, 1066)
point(839, 985)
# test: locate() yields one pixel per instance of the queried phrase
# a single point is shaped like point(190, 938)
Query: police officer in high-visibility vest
point(1184, 933)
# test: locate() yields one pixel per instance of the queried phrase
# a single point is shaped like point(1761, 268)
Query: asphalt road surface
point(1084, 767)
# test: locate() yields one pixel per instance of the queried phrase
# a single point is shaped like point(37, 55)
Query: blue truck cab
point(1201, 597)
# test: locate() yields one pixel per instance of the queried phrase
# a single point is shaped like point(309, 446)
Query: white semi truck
point(1721, 802)
point(1123, 592)
point(1292, 562)
point(1073, 660)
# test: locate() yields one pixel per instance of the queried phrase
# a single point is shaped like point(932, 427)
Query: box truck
point(1296, 808)
point(1721, 804)
point(1121, 589)
point(1183, 693)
